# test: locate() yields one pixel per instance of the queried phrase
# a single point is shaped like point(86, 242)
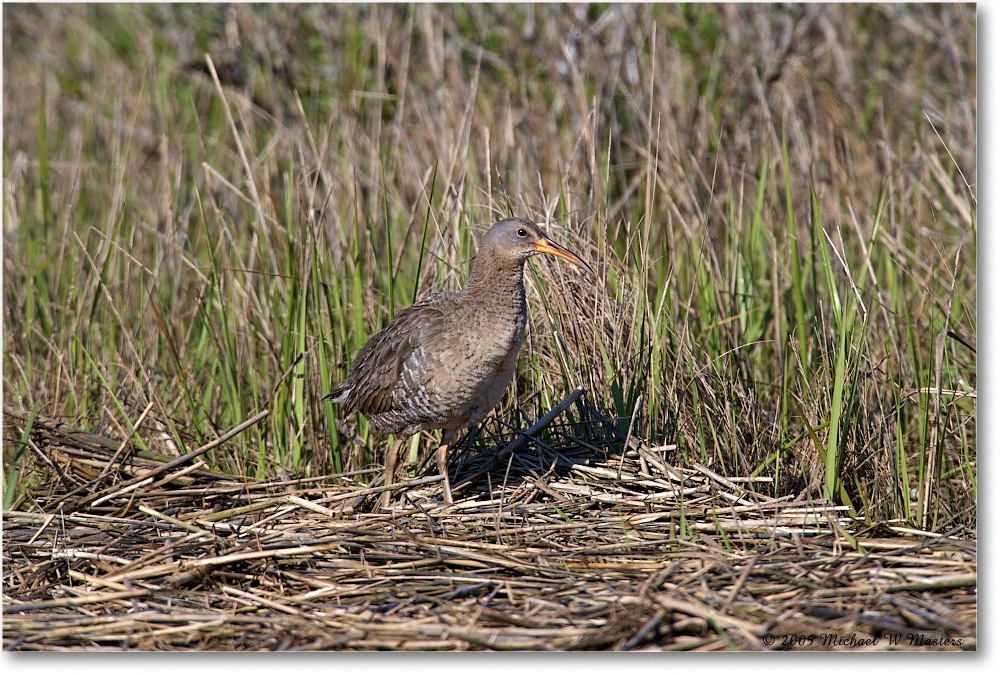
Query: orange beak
point(546, 245)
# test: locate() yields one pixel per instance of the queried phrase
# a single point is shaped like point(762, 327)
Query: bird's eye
point(521, 232)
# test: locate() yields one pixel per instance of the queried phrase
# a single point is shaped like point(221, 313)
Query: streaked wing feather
point(376, 372)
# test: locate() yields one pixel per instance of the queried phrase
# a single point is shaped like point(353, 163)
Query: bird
point(446, 361)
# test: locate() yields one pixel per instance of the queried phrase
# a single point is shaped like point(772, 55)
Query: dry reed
point(559, 545)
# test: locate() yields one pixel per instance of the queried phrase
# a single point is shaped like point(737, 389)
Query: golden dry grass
point(626, 552)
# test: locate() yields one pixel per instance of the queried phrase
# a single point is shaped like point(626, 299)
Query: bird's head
point(519, 239)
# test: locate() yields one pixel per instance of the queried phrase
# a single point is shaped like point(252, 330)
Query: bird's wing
point(378, 368)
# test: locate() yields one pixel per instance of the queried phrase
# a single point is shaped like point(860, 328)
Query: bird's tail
point(339, 394)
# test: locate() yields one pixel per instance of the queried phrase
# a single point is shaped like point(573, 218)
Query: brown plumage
point(445, 362)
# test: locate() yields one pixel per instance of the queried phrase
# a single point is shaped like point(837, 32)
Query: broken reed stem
point(183, 459)
point(125, 441)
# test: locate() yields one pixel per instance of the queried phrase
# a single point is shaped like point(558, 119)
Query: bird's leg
point(390, 470)
point(442, 458)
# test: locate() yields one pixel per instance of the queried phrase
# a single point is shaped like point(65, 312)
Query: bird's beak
point(546, 245)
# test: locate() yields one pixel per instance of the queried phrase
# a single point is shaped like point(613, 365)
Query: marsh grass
point(780, 204)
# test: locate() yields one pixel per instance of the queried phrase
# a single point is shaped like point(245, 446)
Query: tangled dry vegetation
point(544, 549)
